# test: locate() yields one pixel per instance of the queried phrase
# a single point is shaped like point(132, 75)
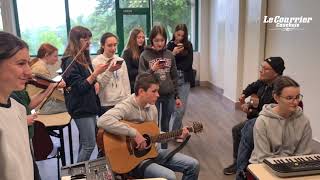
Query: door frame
point(120, 12)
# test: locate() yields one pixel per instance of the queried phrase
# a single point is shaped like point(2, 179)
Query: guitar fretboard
point(168, 135)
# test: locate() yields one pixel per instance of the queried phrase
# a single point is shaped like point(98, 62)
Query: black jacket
point(80, 96)
point(184, 60)
point(132, 66)
point(263, 91)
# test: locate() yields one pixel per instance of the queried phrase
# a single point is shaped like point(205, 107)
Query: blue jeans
point(179, 162)
point(245, 148)
point(165, 107)
point(87, 134)
point(183, 91)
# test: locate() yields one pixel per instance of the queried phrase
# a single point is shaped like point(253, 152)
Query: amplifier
point(98, 169)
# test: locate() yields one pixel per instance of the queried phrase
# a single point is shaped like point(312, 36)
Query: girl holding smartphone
point(160, 61)
point(182, 49)
point(114, 82)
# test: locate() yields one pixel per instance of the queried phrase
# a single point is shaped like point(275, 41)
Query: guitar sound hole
point(140, 153)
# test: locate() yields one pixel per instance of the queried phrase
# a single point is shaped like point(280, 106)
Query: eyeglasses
point(265, 69)
point(291, 98)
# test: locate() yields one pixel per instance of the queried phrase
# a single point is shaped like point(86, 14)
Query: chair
point(55, 124)
point(43, 146)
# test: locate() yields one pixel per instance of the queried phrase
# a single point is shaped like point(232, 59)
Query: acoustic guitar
point(122, 152)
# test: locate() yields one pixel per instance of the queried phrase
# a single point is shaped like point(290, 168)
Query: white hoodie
point(114, 86)
point(275, 136)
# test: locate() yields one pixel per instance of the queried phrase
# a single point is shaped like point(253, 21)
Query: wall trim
point(211, 86)
point(231, 105)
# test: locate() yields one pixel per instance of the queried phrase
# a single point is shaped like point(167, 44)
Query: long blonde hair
point(132, 43)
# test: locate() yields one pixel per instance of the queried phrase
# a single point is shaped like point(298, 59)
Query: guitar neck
point(168, 135)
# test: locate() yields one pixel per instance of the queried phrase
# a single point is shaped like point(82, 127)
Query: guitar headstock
point(196, 127)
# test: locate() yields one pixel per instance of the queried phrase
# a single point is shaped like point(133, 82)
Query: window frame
point(119, 12)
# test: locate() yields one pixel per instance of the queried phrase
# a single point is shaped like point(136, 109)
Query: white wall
point(301, 51)
point(237, 40)
point(203, 56)
point(254, 40)
point(226, 43)
point(217, 42)
point(232, 60)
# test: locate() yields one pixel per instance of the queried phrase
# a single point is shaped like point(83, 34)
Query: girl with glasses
point(282, 129)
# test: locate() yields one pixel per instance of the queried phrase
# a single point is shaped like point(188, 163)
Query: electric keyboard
point(294, 165)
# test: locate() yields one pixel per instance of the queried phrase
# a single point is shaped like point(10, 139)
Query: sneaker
point(230, 169)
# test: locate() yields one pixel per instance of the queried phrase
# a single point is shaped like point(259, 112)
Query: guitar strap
point(177, 149)
point(165, 159)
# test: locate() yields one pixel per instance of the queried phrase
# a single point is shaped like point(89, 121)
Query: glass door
point(131, 14)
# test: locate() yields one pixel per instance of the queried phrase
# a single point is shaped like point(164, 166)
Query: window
point(134, 4)
point(1, 24)
point(42, 23)
point(132, 21)
point(172, 13)
point(97, 15)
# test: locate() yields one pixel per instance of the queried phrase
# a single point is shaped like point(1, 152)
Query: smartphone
point(162, 61)
point(180, 45)
point(119, 62)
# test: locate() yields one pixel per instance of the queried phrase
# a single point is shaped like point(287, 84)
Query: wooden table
point(260, 171)
point(58, 122)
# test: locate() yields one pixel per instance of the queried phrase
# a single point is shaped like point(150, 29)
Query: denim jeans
point(183, 91)
point(178, 163)
point(165, 106)
point(236, 138)
point(87, 134)
point(245, 148)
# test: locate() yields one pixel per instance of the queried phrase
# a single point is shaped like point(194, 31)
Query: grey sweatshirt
point(275, 136)
point(168, 76)
point(129, 110)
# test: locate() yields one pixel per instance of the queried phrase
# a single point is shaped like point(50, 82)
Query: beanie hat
point(276, 63)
